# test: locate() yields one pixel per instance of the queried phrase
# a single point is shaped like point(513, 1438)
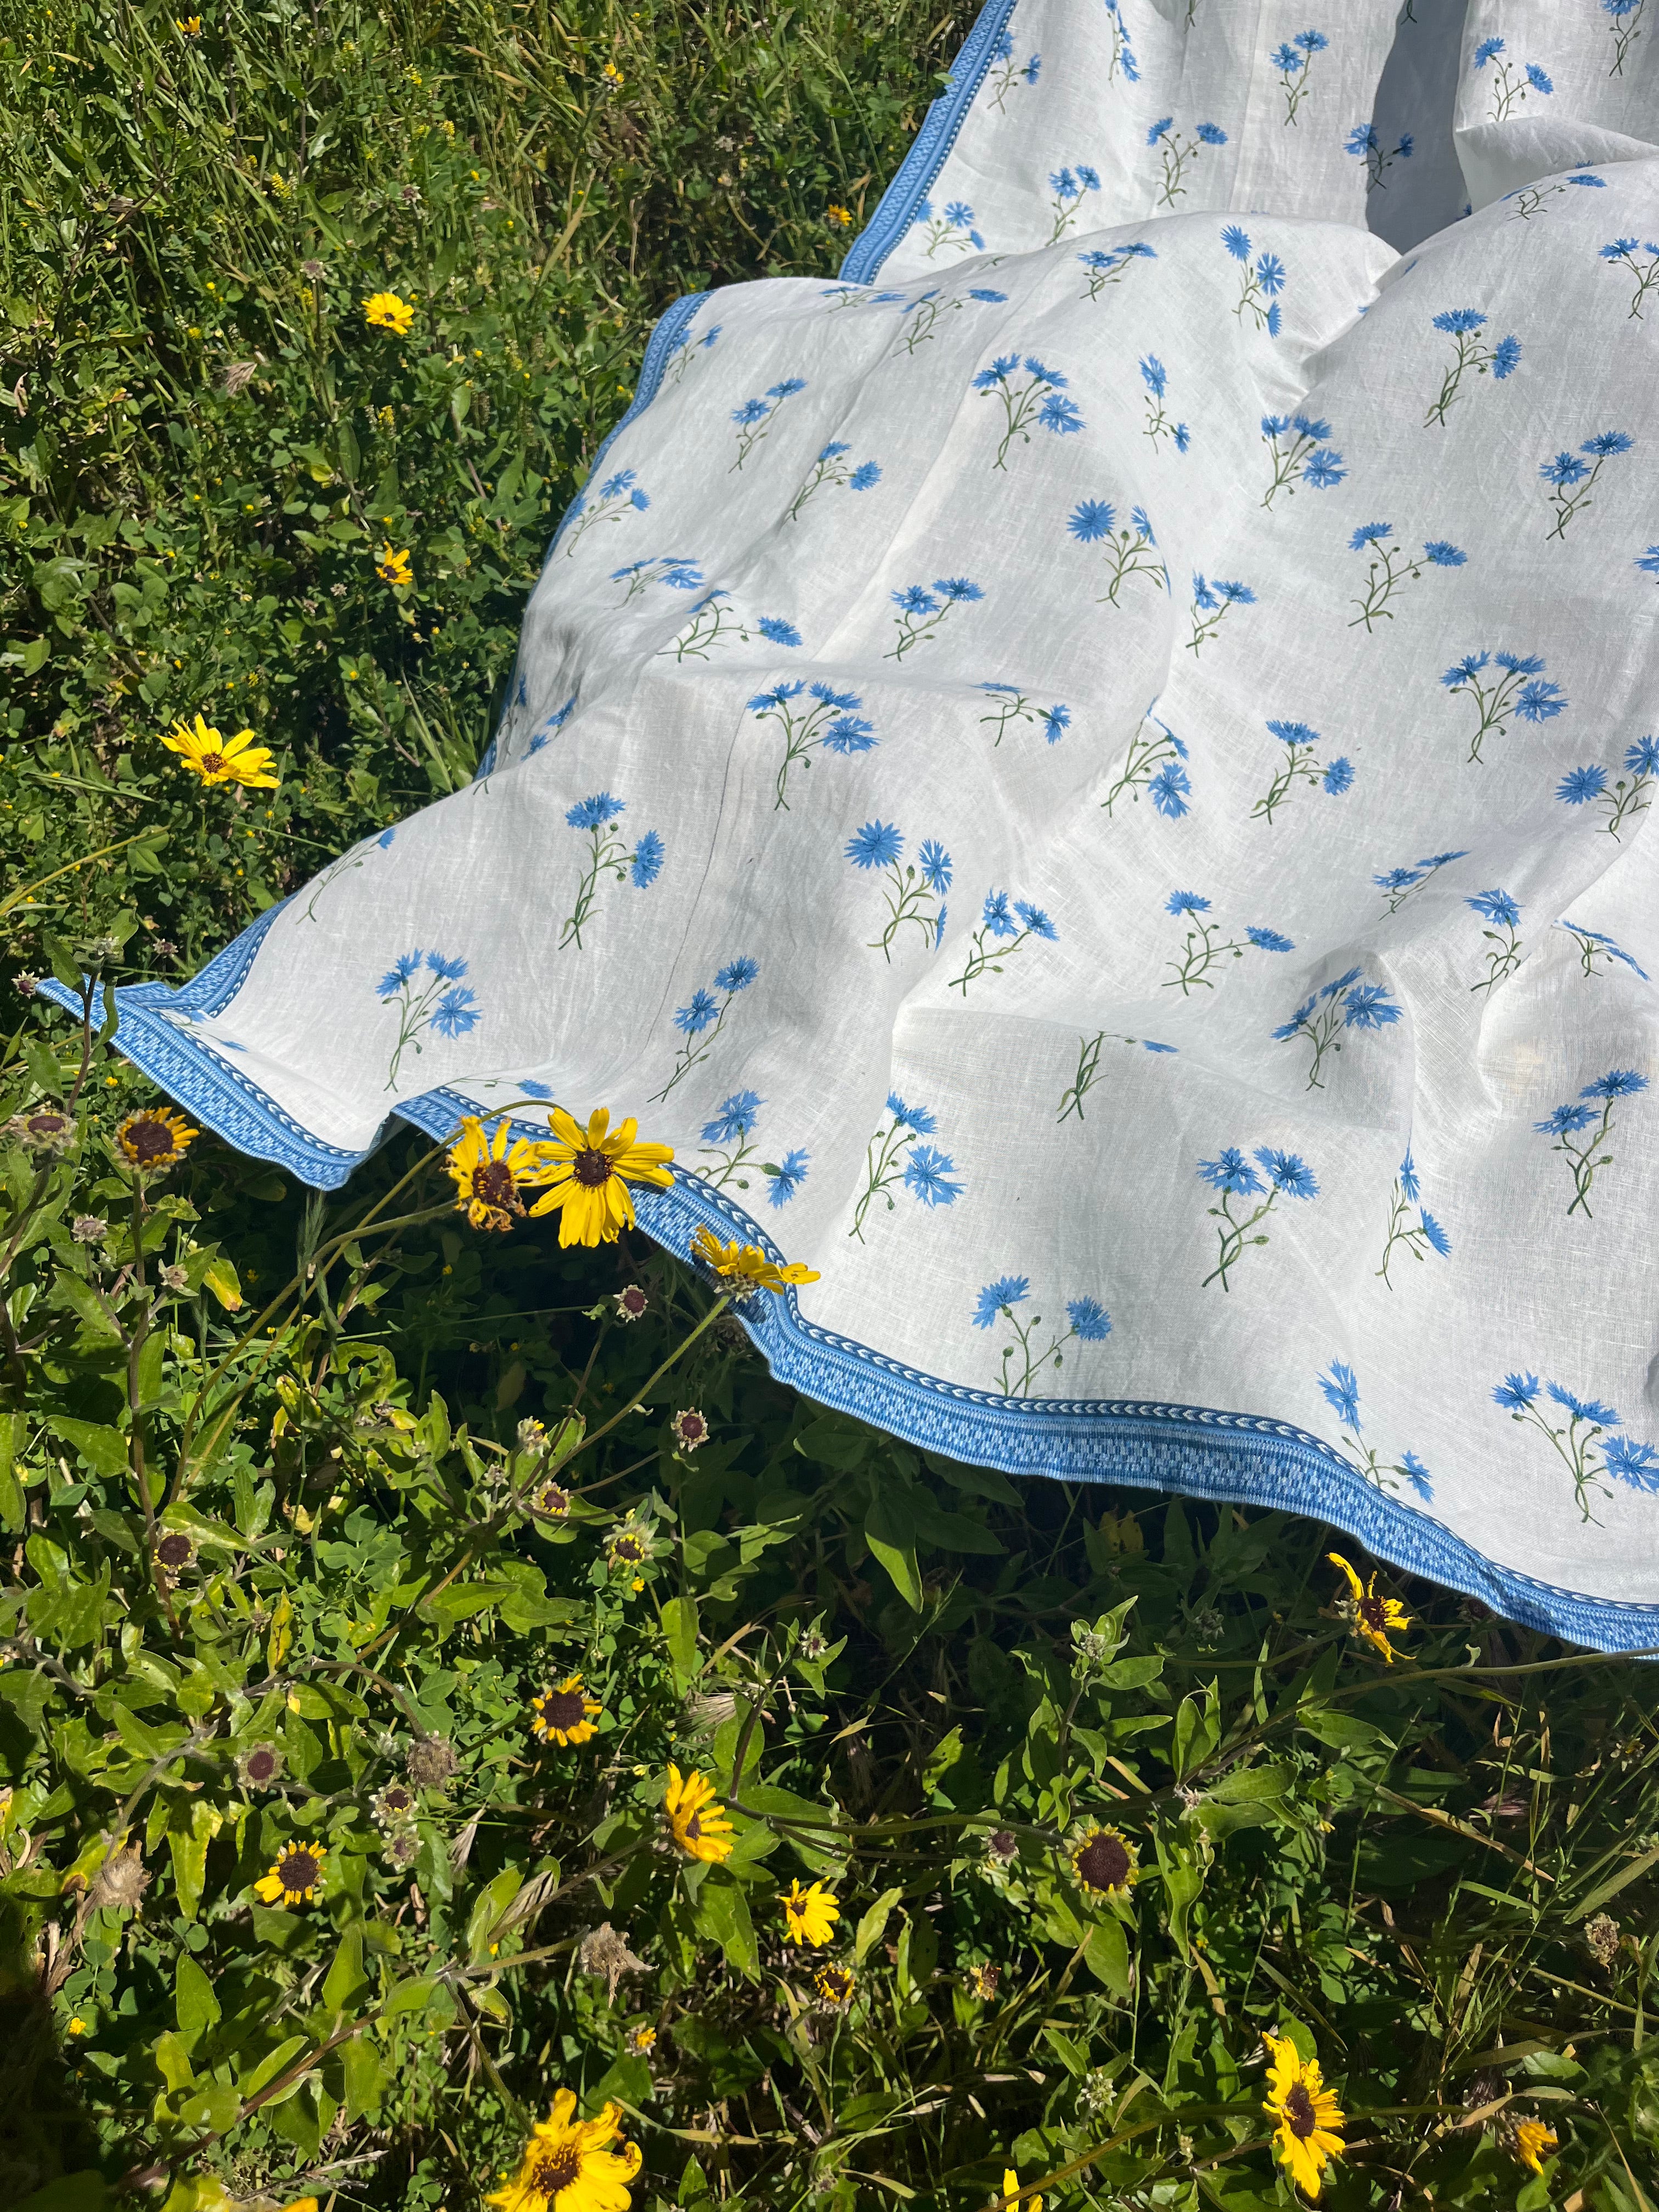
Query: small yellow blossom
point(568, 2165)
point(219, 759)
point(842, 218)
point(1372, 1616)
point(297, 1876)
point(698, 1825)
point(1012, 2202)
point(564, 1714)
point(834, 1987)
point(809, 1914)
point(1306, 2139)
point(1534, 2142)
point(157, 1137)
point(188, 26)
point(386, 311)
point(744, 1268)
point(589, 1172)
point(491, 1174)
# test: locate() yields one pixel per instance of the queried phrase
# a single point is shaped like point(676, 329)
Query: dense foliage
point(326, 1522)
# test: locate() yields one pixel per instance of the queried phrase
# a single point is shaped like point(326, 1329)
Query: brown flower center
point(694, 1828)
point(1004, 1845)
point(394, 1798)
point(299, 1870)
point(1374, 1612)
point(591, 1167)
point(46, 1125)
point(552, 1499)
point(628, 1549)
point(261, 1765)
point(563, 1709)
point(1300, 2116)
point(173, 1550)
point(148, 1140)
point(213, 764)
point(493, 1182)
point(556, 2169)
point(1103, 1861)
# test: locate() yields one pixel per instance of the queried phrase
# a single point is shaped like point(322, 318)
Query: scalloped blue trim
point(896, 209)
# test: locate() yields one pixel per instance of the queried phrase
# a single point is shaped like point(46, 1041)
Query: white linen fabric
point(1096, 779)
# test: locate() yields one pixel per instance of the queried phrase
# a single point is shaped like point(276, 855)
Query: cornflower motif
point(1299, 766)
point(393, 567)
point(1263, 280)
point(670, 569)
point(741, 1269)
point(1567, 1124)
point(1594, 945)
point(1324, 1018)
point(384, 311)
point(715, 621)
point(1156, 377)
point(832, 721)
point(1008, 72)
point(697, 1823)
point(1000, 935)
point(832, 467)
point(1108, 265)
point(1122, 58)
point(726, 1138)
point(1041, 399)
point(1365, 146)
point(1232, 1176)
point(893, 1157)
point(217, 759)
point(1068, 186)
point(1462, 325)
point(1626, 798)
point(1520, 688)
point(1579, 1445)
point(683, 350)
point(426, 991)
point(913, 891)
point(1512, 82)
point(1307, 2137)
point(1573, 478)
point(1340, 1387)
point(565, 1715)
point(619, 496)
point(1177, 153)
point(1501, 911)
point(954, 226)
point(920, 611)
point(1623, 251)
point(571, 2165)
point(1419, 1240)
point(295, 1877)
point(588, 1173)
point(1131, 551)
point(1625, 26)
point(1012, 706)
point(808, 1915)
point(920, 315)
point(1292, 60)
point(1391, 566)
point(786, 1176)
point(154, 1140)
point(1020, 1363)
point(1153, 763)
point(492, 1174)
point(754, 417)
point(608, 854)
point(1200, 951)
point(1529, 200)
point(1304, 457)
point(701, 1022)
point(1211, 603)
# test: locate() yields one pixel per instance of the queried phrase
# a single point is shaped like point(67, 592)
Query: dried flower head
point(551, 1498)
point(429, 1762)
point(26, 984)
point(239, 374)
point(491, 1173)
point(690, 1431)
point(394, 1806)
point(630, 1304)
point(120, 1882)
point(175, 1278)
point(260, 1766)
point(173, 1552)
point(46, 1132)
point(1603, 1938)
point(90, 1228)
point(531, 1437)
point(402, 1848)
point(711, 1709)
point(641, 2040)
point(1002, 1848)
point(980, 1981)
point(605, 1952)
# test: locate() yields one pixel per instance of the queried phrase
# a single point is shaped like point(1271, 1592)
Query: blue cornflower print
point(1177, 154)
point(1122, 54)
point(1006, 924)
point(1397, 884)
point(1302, 456)
point(728, 1149)
point(1108, 265)
point(1040, 399)
point(1155, 764)
point(1529, 200)
point(715, 621)
point(954, 228)
point(669, 568)
point(1511, 82)
point(754, 418)
point(1067, 187)
point(701, 1020)
point(920, 611)
point(734, 1117)
point(1021, 1363)
point(1156, 377)
point(1596, 951)
point(1519, 689)
point(619, 496)
point(415, 986)
point(1131, 551)
point(1622, 800)
point(832, 467)
point(1621, 253)
point(607, 854)
point(914, 890)
point(551, 728)
point(1391, 566)
point(1579, 1444)
point(1625, 26)
point(926, 1176)
point(1292, 60)
point(831, 722)
point(920, 316)
point(1339, 1388)
point(1572, 479)
point(1212, 602)
point(1276, 1175)
point(1418, 1238)
point(348, 862)
point(1462, 325)
point(1365, 146)
point(1567, 1124)
point(1006, 72)
point(1203, 945)
point(1648, 561)
point(1502, 916)
point(1300, 765)
point(894, 1159)
point(1012, 705)
point(1324, 1019)
point(786, 1177)
point(682, 351)
point(1258, 297)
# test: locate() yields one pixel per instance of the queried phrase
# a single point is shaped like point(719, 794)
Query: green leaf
point(890, 1534)
point(85, 2192)
point(679, 1624)
point(409, 1997)
point(189, 1848)
point(272, 2065)
point(1107, 1956)
point(13, 1507)
point(345, 1976)
point(1249, 1784)
point(172, 2062)
point(365, 2077)
point(104, 1450)
point(874, 1925)
point(722, 1915)
point(195, 2006)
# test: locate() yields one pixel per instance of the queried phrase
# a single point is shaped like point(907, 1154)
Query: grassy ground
point(285, 1573)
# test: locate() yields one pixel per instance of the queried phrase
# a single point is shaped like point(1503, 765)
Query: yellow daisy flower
point(1011, 2190)
point(612, 77)
point(155, 1138)
point(568, 2165)
point(1373, 1616)
point(835, 1986)
point(564, 1716)
point(842, 217)
point(394, 567)
point(386, 311)
point(641, 2040)
point(698, 1825)
point(1104, 1861)
point(589, 1172)
point(810, 1914)
point(491, 1173)
point(1305, 2140)
point(218, 759)
point(1534, 2142)
point(189, 26)
point(297, 1876)
point(744, 1268)
point(301, 2204)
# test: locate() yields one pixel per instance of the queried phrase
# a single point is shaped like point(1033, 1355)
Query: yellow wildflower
point(744, 1268)
point(568, 2165)
point(589, 1172)
point(564, 1716)
point(491, 1174)
point(394, 567)
point(809, 1914)
point(1011, 2196)
point(1104, 1861)
point(218, 759)
point(842, 218)
point(698, 1825)
point(155, 1138)
point(297, 1876)
point(1305, 2140)
point(386, 311)
point(834, 1987)
point(1372, 1616)
point(641, 2040)
point(1534, 2142)
point(188, 26)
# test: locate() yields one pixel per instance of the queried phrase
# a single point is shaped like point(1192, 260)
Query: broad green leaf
point(679, 1624)
point(890, 1534)
point(221, 1278)
point(722, 1915)
point(345, 1976)
point(365, 2077)
point(195, 2007)
point(1107, 1956)
point(104, 1450)
point(874, 1925)
point(189, 1850)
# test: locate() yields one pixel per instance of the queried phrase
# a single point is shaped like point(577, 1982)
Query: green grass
point(1439, 1873)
